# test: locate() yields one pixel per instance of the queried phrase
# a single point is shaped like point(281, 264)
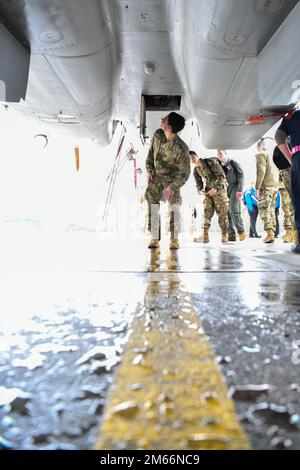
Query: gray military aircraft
point(83, 65)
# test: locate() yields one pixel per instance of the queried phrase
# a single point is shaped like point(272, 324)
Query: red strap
point(135, 173)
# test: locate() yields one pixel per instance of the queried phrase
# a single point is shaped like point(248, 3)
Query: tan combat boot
point(154, 243)
point(174, 244)
point(204, 238)
point(269, 238)
point(289, 236)
point(242, 236)
point(224, 238)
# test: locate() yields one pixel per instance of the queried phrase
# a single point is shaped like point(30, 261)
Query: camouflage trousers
point(285, 188)
point(153, 195)
point(288, 211)
point(285, 181)
point(219, 204)
point(266, 208)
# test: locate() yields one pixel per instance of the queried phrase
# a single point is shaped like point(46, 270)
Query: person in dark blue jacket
point(251, 203)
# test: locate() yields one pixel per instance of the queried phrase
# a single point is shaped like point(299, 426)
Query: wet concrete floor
point(66, 316)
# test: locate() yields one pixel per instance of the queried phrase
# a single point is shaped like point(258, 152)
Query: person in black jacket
point(235, 179)
point(285, 188)
point(290, 127)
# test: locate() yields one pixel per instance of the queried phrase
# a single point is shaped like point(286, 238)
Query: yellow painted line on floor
point(168, 392)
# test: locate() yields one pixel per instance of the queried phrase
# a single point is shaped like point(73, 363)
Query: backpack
point(233, 164)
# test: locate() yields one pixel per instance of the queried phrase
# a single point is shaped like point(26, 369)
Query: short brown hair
point(176, 122)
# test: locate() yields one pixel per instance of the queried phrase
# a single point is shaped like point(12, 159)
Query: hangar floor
point(105, 343)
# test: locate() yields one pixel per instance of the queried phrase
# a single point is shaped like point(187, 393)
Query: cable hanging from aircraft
point(113, 175)
point(130, 156)
point(117, 168)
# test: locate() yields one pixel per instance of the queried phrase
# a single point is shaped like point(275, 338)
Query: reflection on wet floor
point(61, 339)
point(254, 325)
point(181, 401)
point(66, 319)
point(205, 260)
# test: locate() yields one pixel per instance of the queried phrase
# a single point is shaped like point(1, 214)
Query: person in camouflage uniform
point(266, 190)
point(286, 204)
point(215, 192)
point(168, 167)
point(285, 188)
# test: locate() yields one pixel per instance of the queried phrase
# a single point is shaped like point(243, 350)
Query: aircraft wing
point(80, 65)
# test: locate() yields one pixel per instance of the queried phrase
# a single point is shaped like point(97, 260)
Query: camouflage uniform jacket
point(213, 175)
point(169, 161)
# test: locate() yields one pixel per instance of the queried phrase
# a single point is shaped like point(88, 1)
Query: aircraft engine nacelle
point(14, 68)
point(279, 65)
